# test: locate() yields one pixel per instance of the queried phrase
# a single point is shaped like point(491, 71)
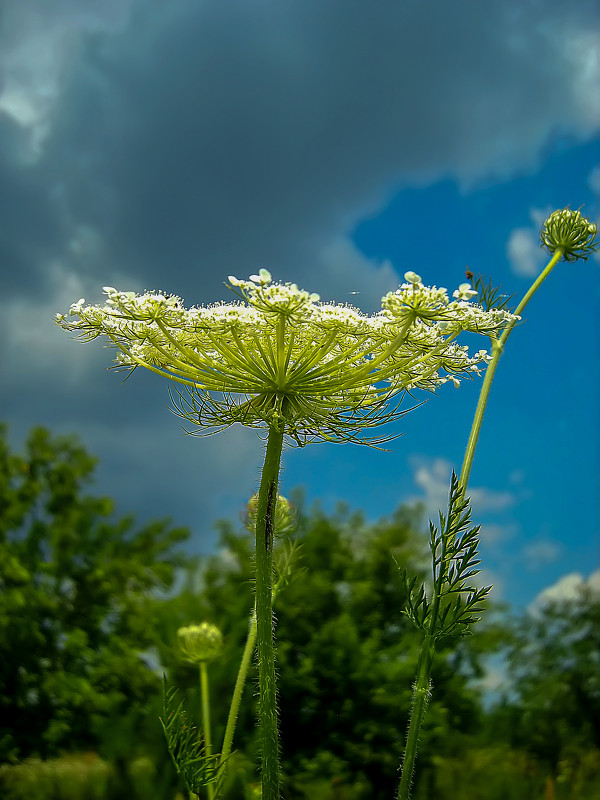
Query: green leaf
point(186, 745)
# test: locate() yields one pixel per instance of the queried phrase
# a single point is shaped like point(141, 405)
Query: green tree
point(553, 711)
point(77, 600)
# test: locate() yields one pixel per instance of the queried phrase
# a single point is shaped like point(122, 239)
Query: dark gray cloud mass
point(146, 144)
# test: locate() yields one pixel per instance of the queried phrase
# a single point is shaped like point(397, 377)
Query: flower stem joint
point(570, 232)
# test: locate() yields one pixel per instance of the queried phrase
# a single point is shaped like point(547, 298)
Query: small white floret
point(464, 292)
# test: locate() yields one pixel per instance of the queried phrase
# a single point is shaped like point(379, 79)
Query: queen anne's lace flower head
point(277, 356)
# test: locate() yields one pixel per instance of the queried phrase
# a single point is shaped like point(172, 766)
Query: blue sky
point(151, 145)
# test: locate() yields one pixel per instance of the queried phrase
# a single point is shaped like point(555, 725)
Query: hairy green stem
point(241, 681)
point(204, 694)
point(267, 686)
point(423, 680)
point(421, 695)
point(239, 688)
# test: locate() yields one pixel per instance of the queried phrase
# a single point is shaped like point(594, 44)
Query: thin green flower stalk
point(200, 644)
point(190, 750)
point(455, 603)
point(279, 360)
point(206, 726)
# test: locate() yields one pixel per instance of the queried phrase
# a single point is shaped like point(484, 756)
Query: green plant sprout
point(279, 360)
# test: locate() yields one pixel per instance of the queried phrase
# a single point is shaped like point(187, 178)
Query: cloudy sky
point(337, 143)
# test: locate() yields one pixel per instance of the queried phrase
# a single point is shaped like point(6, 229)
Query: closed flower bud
point(570, 232)
point(285, 515)
point(202, 642)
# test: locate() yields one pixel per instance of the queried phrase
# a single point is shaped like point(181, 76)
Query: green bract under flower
point(278, 357)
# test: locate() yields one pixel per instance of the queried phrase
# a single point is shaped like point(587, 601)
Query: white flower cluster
point(429, 304)
point(278, 356)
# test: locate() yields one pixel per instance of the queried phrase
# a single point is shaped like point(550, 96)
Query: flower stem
point(421, 695)
point(239, 688)
point(267, 687)
point(206, 720)
point(423, 681)
point(498, 347)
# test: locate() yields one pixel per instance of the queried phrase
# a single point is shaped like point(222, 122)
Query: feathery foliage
point(490, 296)
point(455, 602)
point(186, 745)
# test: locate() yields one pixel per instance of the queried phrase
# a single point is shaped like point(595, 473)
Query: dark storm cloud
point(167, 145)
point(215, 137)
point(30, 228)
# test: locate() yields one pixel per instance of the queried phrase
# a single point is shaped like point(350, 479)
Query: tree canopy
point(76, 603)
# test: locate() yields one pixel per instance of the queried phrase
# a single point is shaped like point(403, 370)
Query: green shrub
point(77, 776)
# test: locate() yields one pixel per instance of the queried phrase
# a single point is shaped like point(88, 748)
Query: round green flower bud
point(285, 515)
point(570, 232)
point(202, 642)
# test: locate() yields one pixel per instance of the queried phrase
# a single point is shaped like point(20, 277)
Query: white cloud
point(32, 342)
point(486, 500)
point(541, 553)
point(594, 181)
point(152, 466)
point(38, 41)
point(495, 534)
point(488, 577)
point(364, 280)
point(517, 476)
point(525, 255)
point(433, 477)
point(566, 588)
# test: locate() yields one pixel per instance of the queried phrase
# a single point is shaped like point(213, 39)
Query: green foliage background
point(90, 605)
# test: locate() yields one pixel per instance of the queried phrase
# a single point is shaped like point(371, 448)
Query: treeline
point(90, 606)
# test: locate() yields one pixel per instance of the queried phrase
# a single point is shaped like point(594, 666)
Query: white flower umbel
point(278, 356)
point(279, 359)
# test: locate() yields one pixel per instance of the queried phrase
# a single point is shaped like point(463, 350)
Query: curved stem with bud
point(569, 236)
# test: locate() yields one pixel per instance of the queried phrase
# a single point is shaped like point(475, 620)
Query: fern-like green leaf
point(490, 296)
point(186, 745)
point(417, 604)
point(455, 603)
